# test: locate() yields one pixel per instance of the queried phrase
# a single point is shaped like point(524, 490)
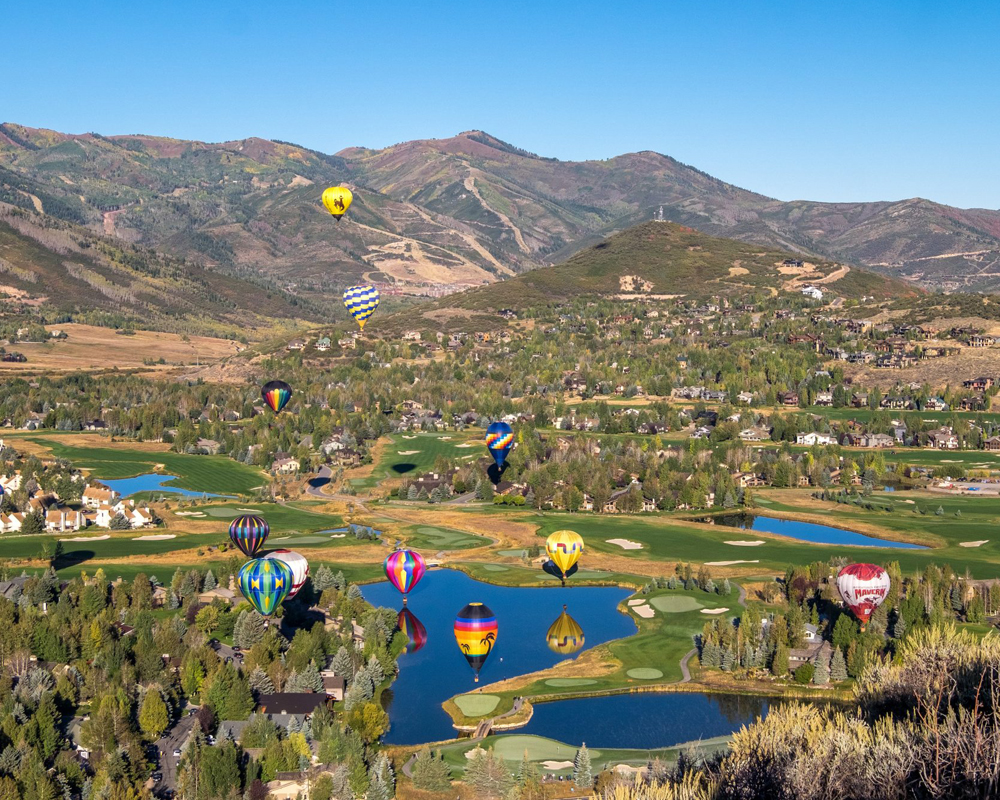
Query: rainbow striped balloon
point(276, 394)
point(404, 569)
point(476, 634)
point(413, 628)
point(249, 532)
point(265, 582)
point(361, 302)
point(499, 441)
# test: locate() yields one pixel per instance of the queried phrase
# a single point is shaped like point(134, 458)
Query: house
point(9, 523)
point(139, 517)
point(333, 685)
point(935, 404)
point(347, 344)
point(813, 438)
point(286, 466)
point(788, 398)
point(992, 444)
point(291, 703)
point(943, 438)
point(812, 652)
point(323, 344)
point(231, 729)
point(823, 399)
point(218, 593)
point(296, 344)
point(755, 434)
point(981, 340)
point(210, 446)
point(747, 480)
point(877, 440)
point(95, 425)
point(745, 397)
point(95, 495)
point(813, 292)
point(980, 384)
point(64, 519)
point(411, 336)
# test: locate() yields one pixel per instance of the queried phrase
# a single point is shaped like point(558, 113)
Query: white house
point(813, 438)
point(9, 523)
point(96, 496)
point(64, 519)
point(812, 292)
point(286, 466)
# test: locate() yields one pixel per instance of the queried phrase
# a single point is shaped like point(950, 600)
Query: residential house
point(755, 434)
point(296, 344)
point(992, 444)
point(788, 398)
point(877, 440)
point(942, 438)
point(333, 685)
point(745, 397)
point(95, 495)
point(747, 480)
point(823, 399)
point(11, 523)
point(980, 384)
point(286, 466)
point(58, 520)
point(813, 438)
point(323, 344)
point(291, 703)
point(210, 446)
point(218, 593)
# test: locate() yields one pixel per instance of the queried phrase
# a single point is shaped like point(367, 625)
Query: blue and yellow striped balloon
point(265, 582)
point(361, 302)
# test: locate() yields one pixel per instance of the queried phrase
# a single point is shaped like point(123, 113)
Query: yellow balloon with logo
point(336, 200)
point(564, 548)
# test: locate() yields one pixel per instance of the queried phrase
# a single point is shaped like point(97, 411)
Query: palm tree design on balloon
point(488, 640)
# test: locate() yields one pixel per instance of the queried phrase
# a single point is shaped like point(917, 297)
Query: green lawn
point(423, 537)
point(409, 454)
point(120, 544)
point(283, 519)
point(213, 474)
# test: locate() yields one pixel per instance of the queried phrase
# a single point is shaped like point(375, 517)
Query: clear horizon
point(852, 103)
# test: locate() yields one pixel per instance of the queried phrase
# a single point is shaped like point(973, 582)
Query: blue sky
point(799, 100)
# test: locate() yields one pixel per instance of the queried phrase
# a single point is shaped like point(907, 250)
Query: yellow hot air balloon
point(565, 636)
point(564, 548)
point(337, 199)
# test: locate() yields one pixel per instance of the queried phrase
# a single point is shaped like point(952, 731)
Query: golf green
point(675, 604)
point(644, 673)
point(495, 568)
point(476, 705)
point(568, 682)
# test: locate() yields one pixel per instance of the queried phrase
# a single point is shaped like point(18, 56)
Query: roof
point(291, 702)
point(231, 729)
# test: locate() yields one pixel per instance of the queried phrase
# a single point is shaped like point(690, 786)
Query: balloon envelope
point(249, 532)
point(565, 549)
point(276, 394)
point(553, 570)
point(565, 635)
point(404, 569)
point(499, 441)
point(297, 564)
point(265, 582)
point(361, 302)
point(408, 623)
point(863, 587)
point(476, 633)
point(336, 200)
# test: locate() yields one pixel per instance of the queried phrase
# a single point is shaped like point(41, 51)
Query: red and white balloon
point(864, 587)
point(298, 565)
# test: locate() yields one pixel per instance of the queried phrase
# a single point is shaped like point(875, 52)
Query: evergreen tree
point(838, 666)
point(353, 592)
point(260, 682)
point(779, 663)
point(411, 493)
point(726, 588)
point(343, 664)
point(210, 581)
point(821, 675)
point(323, 579)
point(728, 660)
point(582, 774)
point(709, 586)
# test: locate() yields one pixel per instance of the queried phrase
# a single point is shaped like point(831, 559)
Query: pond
point(438, 670)
point(645, 721)
point(808, 531)
point(152, 482)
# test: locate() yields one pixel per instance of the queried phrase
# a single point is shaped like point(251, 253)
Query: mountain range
point(456, 212)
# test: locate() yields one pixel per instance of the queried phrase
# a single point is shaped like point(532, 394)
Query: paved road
point(685, 672)
point(314, 486)
point(172, 740)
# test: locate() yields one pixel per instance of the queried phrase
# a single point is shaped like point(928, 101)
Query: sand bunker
point(556, 765)
point(87, 538)
point(408, 437)
point(644, 611)
point(408, 452)
point(980, 543)
point(190, 513)
point(636, 601)
point(338, 536)
point(745, 543)
point(155, 537)
point(251, 510)
point(625, 544)
point(444, 438)
point(465, 444)
point(729, 563)
point(714, 610)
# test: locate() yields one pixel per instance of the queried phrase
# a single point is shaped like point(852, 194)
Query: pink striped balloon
point(404, 569)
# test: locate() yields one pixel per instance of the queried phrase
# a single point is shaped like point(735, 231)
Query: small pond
point(807, 531)
point(645, 721)
point(438, 670)
point(152, 482)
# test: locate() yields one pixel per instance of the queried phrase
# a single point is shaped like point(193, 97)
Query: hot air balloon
point(476, 633)
point(564, 548)
point(499, 441)
point(337, 199)
point(553, 570)
point(265, 582)
point(276, 394)
point(249, 532)
point(297, 564)
point(404, 569)
point(361, 302)
point(408, 623)
point(863, 587)
point(565, 636)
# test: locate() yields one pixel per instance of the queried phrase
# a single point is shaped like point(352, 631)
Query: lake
point(438, 670)
point(808, 531)
point(152, 482)
point(645, 721)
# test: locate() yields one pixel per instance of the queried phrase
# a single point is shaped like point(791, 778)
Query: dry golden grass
point(969, 362)
point(91, 348)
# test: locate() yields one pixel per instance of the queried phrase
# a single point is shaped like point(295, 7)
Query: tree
point(821, 674)
point(487, 774)
point(838, 666)
point(153, 717)
point(210, 581)
point(207, 619)
point(368, 720)
point(260, 682)
point(431, 773)
point(119, 522)
point(219, 771)
point(804, 673)
point(323, 579)
point(228, 692)
point(343, 664)
point(582, 775)
point(779, 664)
